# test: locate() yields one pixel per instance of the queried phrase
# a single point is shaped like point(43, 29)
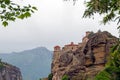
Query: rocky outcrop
point(9, 72)
point(85, 62)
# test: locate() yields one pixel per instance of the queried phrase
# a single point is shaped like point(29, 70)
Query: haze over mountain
point(34, 63)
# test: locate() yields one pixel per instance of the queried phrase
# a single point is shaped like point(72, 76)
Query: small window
point(72, 48)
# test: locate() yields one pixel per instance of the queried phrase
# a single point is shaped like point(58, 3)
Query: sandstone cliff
point(9, 72)
point(86, 61)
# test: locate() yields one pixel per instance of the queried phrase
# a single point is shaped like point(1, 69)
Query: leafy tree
point(10, 11)
point(110, 9)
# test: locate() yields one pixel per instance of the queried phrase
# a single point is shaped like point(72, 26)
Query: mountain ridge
point(31, 62)
point(14, 52)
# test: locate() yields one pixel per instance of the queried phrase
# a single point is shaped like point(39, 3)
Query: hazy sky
point(55, 23)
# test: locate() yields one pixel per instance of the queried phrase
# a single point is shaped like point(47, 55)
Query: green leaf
point(23, 10)
point(34, 8)
point(7, 1)
point(29, 5)
point(32, 11)
point(17, 13)
point(5, 23)
point(22, 16)
point(12, 19)
point(3, 6)
point(27, 14)
point(12, 14)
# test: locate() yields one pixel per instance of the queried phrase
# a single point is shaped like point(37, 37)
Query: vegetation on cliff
point(111, 11)
point(65, 77)
point(1, 65)
point(112, 69)
point(50, 76)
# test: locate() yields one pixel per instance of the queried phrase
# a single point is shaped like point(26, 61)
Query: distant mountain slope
point(34, 64)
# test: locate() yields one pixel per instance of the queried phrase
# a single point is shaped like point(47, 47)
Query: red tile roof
point(57, 46)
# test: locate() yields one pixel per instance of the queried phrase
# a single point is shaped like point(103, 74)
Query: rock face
point(85, 61)
point(9, 72)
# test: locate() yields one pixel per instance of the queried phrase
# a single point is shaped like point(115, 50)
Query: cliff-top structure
point(9, 72)
point(84, 60)
point(72, 46)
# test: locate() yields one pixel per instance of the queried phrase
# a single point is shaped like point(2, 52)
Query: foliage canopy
point(10, 11)
point(109, 8)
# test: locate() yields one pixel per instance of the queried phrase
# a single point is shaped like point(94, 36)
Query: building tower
point(57, 49)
